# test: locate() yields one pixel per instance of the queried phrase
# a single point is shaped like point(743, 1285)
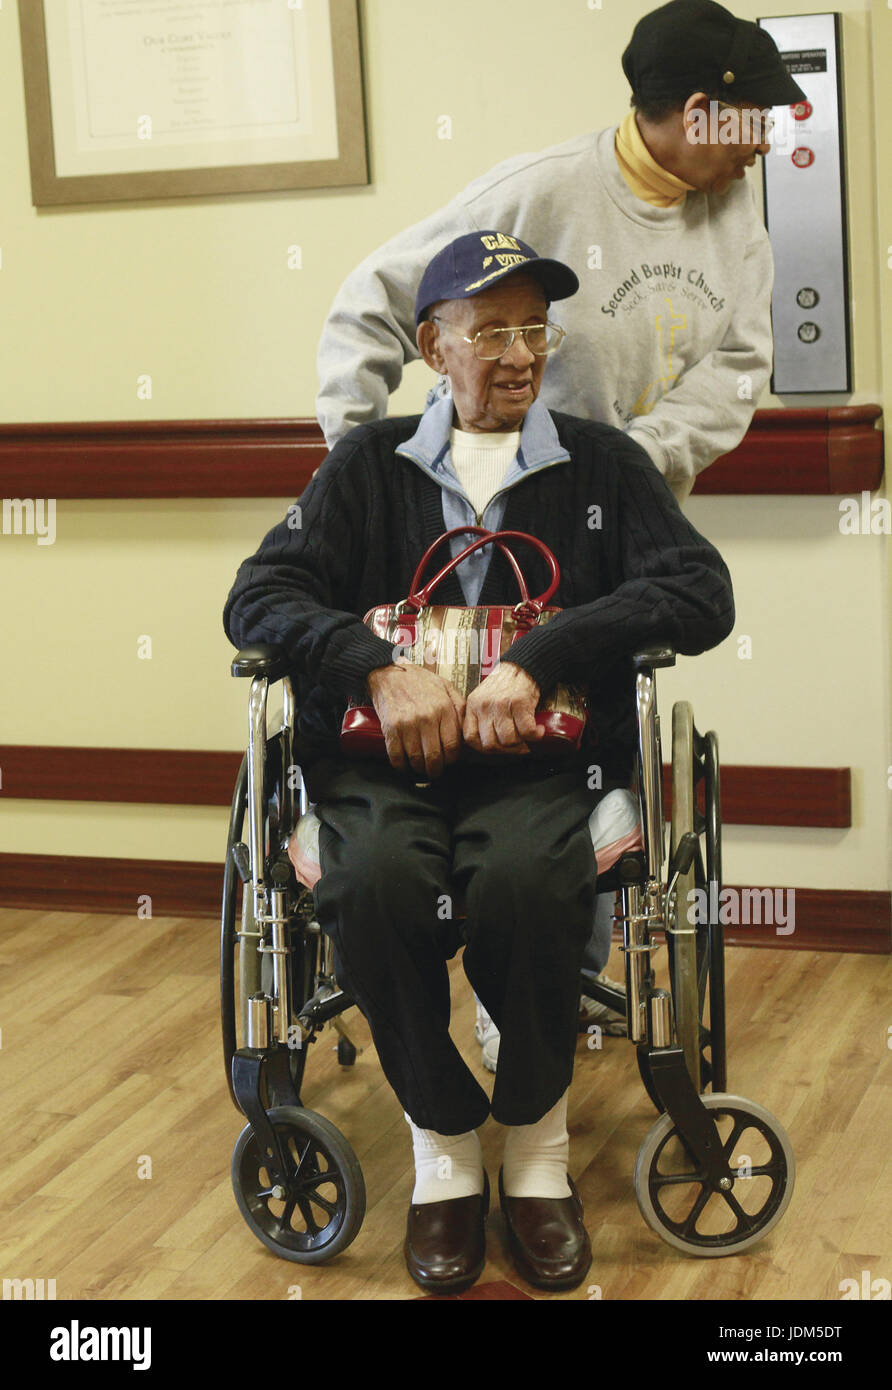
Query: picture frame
point(126, 102)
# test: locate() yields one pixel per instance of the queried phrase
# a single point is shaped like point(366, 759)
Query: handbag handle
point(419, 598)
point(423, 597)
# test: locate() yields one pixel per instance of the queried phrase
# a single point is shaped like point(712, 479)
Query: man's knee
point(380, 886)
point(522, 887)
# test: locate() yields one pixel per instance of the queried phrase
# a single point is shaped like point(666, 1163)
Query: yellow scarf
point(646, 178)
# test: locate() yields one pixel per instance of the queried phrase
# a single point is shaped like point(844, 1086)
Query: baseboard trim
point(825, 919)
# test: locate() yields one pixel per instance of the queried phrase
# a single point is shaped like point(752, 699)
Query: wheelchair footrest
point(593, 988)
point(325, 1005)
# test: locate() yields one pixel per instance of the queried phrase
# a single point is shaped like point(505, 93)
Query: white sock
point(446, 1165)
point(536, 1156)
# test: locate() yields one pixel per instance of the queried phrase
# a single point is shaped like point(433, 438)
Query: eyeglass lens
point(540, 338)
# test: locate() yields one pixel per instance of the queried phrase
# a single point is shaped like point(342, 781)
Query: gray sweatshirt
point(669, 337)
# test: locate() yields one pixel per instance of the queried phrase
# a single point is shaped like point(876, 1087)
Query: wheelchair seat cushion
point(614, 825)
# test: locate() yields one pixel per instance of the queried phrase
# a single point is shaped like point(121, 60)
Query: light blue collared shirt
point(429, 447)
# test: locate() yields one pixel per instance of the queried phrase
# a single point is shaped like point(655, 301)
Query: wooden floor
point(110, 1056)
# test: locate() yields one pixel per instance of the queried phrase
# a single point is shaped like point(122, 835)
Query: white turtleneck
point(481, 462)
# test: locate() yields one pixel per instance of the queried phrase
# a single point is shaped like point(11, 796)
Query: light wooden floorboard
point(110, 1056)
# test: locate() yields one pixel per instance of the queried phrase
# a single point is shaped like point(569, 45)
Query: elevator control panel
point(805, 212)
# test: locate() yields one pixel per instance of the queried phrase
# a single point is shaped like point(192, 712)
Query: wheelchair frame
point(291, 1164)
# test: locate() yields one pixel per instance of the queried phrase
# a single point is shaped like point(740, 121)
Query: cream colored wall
point(197, 293)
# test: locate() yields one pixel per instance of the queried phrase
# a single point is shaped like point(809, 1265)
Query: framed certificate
point(130, 99)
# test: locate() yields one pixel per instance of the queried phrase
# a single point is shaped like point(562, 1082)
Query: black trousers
point(508, 846)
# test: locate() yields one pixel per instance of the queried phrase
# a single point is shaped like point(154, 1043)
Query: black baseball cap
point(698, 46)
point(478, 260)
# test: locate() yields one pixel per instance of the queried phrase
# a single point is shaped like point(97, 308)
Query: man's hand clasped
point(425, 721)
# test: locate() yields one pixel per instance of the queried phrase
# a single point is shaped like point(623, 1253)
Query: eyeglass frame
point(766, 123)
point(513, 330)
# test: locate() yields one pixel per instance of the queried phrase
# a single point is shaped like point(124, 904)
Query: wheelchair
point(714, 1174)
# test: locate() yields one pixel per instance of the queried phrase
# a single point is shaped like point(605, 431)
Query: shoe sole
point(447, 1285)
point(537, 1282)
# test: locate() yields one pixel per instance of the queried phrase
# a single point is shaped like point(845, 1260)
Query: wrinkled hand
point(421, 716)
point(500, 715)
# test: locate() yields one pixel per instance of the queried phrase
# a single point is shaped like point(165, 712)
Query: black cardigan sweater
point(634, 572)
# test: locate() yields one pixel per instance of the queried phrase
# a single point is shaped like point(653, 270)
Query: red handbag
point(463, 645)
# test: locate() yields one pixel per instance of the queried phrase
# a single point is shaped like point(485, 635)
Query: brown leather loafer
point(445, 1244)
point(548, 1241)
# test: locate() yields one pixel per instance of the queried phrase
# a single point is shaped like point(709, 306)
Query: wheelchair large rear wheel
point(322, 1205)
point(255, 973)
point(682, 945)
point(682, 1205)
point(696, 961)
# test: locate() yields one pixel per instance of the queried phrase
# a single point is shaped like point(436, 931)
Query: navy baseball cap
point(698, 45)
point(477, 261)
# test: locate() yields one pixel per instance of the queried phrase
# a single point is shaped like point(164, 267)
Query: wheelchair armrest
point(267, 661)
point(654, 657)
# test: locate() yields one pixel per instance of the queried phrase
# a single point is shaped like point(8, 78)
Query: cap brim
point(557, 280)
point(777, 88)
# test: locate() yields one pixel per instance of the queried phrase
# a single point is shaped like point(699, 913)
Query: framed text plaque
point(138, 99)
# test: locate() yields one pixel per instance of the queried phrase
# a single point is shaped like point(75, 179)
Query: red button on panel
point(802, 157)
point(802, 110)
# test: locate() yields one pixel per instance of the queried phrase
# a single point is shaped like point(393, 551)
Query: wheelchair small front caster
point(688, 1211)
point(321, 1207)
point(346, 1052)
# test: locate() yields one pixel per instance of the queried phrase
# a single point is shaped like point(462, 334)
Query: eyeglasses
point(758, 126)
point(492, 343)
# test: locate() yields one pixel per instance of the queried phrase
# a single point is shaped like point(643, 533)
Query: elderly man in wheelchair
point(471, 827)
